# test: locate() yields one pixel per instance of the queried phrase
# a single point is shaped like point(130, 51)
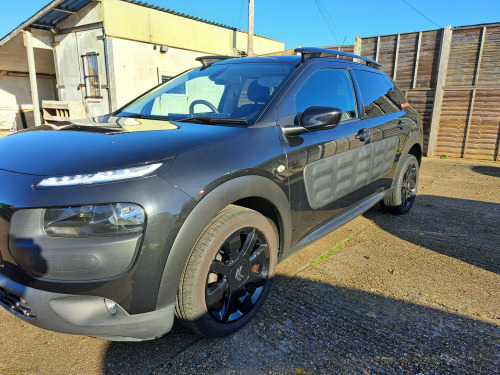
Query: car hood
point(104, 143)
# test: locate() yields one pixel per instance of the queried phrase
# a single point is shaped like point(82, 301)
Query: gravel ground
point(414, 294)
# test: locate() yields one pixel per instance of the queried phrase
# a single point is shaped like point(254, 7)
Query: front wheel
point(401, 200)
point(229, 272)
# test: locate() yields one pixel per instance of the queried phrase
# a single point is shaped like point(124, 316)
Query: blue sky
point(301, 22)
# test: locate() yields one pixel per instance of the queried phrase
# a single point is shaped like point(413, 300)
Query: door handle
point(363, 134)
point(401, 125)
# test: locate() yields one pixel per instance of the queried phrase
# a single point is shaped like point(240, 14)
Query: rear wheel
point(229, 272)
point(401, 200)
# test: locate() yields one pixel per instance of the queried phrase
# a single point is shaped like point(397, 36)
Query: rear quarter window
point(379, 94)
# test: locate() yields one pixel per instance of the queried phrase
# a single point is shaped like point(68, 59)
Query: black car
point(183, 201)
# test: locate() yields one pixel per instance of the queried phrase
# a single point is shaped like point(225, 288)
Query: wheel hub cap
point(239, 274)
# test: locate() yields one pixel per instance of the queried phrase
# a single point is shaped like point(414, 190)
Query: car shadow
point(308, 326)
point(465, 229)
point(487, 170)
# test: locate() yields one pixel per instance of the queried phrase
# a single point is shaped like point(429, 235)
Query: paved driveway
point(383, 294)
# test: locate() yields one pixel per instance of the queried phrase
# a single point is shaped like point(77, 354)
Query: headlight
point(98, 177)
point(95, 220)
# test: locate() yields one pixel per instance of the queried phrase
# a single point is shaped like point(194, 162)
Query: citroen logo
point(239, 276)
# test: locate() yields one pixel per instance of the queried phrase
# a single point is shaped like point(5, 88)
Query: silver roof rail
point(313, 52)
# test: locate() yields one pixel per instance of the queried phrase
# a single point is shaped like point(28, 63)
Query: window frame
point(87, 76)
point(170, 77)
point(356, 94)
point(360, 94)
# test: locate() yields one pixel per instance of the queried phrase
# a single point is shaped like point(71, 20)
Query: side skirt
point(338, 221)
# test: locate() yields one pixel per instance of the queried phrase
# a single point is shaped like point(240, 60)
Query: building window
point(177, 90)
point(91, 75)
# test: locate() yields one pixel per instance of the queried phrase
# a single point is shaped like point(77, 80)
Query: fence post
point(473, 97)
point(396, 58)
point(417, 59)
point(444, 55)
point(357, 48)
point(377, 52)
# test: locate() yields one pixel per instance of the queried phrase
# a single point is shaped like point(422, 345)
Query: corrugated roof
point(49, 16)
point(166, 10)
point(58, 10)
point(60, 13)
point(147, 5)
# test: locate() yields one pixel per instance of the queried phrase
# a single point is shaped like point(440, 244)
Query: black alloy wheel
point(237, 275)
point(229, 272)
point(409, 185)
point(400, 201)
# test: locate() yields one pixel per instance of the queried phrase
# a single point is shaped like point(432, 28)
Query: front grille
point(16, 304)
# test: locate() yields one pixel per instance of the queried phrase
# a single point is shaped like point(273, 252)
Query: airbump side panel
point(383, 157)
point(333, 177)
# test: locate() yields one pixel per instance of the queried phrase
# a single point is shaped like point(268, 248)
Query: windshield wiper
point(148, 117)
point(214, 120)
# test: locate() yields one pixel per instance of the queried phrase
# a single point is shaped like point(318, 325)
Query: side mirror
point(320, 118)
point(313, 119)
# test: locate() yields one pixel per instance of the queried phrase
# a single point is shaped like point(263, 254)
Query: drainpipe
point(32, 73)
point(106, 62)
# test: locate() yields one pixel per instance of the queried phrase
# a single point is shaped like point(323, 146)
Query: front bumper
point(82, 314)
point(129, 275)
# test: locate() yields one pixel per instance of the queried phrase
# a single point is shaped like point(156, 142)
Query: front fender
point(220, 197)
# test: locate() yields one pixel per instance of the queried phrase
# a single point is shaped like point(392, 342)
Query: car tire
point(229, 272)
point(403, 196)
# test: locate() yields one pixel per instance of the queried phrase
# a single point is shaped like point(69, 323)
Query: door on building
point(81, 70)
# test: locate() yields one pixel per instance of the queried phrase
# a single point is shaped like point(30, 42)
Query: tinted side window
point(377, 92)
point(328, 87)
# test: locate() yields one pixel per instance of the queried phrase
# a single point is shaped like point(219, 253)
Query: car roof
point(295, 59)
point(262, 59)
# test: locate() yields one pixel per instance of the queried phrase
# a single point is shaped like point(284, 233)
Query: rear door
point(390, 125)
point(327, 168)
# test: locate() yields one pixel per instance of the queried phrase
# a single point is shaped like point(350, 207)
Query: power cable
point(326, 21)
point(423, 15)
point(339, 34)
point(241, 13)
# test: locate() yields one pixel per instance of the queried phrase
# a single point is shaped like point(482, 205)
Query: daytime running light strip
point(98, 177)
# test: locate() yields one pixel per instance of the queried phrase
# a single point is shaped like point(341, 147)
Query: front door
point(327, 168)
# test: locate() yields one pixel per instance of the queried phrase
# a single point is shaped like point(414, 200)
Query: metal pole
point(32, 73)
point(250, 28)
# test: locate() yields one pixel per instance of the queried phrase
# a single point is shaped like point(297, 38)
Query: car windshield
point(221, 93)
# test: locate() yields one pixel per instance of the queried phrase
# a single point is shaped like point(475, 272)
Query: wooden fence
point(451, 76)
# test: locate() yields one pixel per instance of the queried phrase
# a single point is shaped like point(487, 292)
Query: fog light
point(110, 305)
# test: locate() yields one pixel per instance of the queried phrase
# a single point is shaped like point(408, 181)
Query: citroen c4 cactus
point(182, 202)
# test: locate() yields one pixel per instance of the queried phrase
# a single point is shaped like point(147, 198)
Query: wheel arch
point(414, 147)
point(416, 150)
point(254, 192)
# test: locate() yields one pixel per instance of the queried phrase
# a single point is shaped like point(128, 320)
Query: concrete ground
point(416, 294)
